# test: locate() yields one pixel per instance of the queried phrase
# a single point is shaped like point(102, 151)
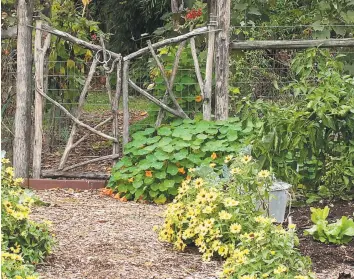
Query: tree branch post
point(22, 146)
point(209, 68)
point(222, 60)
point(125, 101)
point(39, 55)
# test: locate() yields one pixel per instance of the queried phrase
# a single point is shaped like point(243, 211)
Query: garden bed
point(100, 237)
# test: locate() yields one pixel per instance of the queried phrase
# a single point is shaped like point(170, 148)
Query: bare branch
point(172, 96)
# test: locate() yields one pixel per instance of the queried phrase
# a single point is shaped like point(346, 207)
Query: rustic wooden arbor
point(121, 65)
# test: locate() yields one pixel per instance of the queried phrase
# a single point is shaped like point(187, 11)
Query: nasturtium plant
point(157, 160)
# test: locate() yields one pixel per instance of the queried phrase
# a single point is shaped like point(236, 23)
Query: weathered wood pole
point(209, 63)
point(22, 146)
point(115, 103)
point(222, 60)
point(125, 100)
point(39, 60)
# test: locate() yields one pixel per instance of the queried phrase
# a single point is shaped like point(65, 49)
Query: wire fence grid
point(256, 73)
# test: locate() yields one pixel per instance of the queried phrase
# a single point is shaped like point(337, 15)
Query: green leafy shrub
point(156, 161)
point(310, 142)
point(341, 232)
point(221, 218)
point(24, 242)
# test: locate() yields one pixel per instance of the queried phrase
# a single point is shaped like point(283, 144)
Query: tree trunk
point(222, 60)
point(21, 156)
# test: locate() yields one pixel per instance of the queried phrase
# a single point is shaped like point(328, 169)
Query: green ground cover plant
point(340, 232)
point(221, 216)
point(24, 242)
point(157, 160)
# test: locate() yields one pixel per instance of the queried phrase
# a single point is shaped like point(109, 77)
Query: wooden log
point(169, 89)
point(82, 99)
point(21, 143)
point(108, 157)
point(39, 55)
point(196, 66)
point(292, 44)
point(77, 121)
point(115, 104)
point(161, 114)
point(222, 61)
point(88, 175)
point(125, 101)
point(85, 136)
point(153, 99)
point(209, 68)
point(163, 43)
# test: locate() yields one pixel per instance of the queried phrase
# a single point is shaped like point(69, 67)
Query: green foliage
point(310, 141)
point(156, 161)
point(341, 232)
point(186, 87)
point(24, 242)
point(221, 219)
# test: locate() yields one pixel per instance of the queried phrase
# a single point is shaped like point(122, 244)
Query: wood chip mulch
point(102, 238)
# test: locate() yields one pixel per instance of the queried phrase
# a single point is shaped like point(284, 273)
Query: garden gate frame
point(217, 57)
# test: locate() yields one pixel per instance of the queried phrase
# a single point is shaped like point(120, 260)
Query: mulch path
point(102, 238)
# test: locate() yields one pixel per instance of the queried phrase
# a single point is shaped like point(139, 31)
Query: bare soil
point(329, 260)
point(102, 238)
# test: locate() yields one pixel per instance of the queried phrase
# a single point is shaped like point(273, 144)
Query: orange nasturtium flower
point(124, 199)
point(131, 180)
point(117, 196)
point(181, 170)
point(214, 156)
point(198, 99)
point(148, 173)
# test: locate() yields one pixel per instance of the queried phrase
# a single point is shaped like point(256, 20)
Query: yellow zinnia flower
point(246, 159)
point(235, 228)
point(224, 215)
point(263, 174)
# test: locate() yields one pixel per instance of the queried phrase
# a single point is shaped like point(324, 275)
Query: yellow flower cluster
point(280, 269)
point(11, 256)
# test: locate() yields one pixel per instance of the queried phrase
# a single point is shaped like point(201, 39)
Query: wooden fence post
point(222, 60)
point(39, 59)
point(115, 103)
point(21, 148)
point(209, 66)
point(125, 103)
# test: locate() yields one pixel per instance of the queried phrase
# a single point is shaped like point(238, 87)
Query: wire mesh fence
point(259, 74)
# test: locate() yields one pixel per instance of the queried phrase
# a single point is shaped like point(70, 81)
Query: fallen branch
point(89, 175)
